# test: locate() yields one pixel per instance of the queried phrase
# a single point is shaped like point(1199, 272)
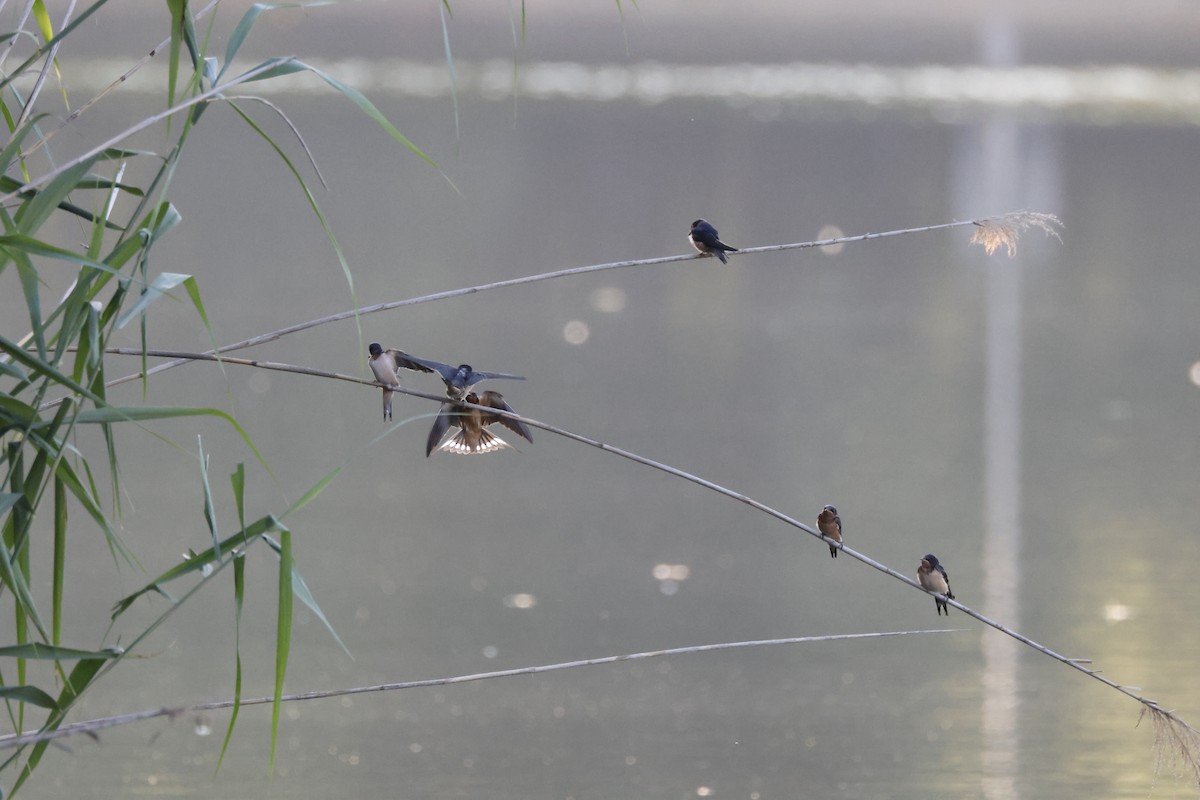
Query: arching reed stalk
point(992, 232)
point(1174, 737)
point(93, 725)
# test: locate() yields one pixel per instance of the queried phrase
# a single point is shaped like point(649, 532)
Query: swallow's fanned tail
point(462, 443)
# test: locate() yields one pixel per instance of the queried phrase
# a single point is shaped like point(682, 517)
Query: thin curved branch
point(312, 161)
point(1011, 217)
point(1080, 664)
point(93, 725)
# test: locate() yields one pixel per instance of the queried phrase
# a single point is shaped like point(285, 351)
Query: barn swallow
point(830, 526)
point(933, 578)
point(473, 436)
point(705, 239)
point(385, 364)
point(459, 380)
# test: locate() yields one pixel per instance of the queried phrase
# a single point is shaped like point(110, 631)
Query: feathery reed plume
point(1175, 742)
point(1003, 231)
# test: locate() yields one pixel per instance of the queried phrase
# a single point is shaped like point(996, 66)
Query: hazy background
point(858, 378)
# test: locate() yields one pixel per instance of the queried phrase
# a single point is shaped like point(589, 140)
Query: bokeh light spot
point(576, 331)
point(1194, 373)
point(520, 600)
point(831, 232)
point(1117, 612)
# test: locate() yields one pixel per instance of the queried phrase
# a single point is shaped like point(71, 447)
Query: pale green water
point(798, 378)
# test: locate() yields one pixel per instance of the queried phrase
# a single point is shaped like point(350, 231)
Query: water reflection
point(998, 164)
point(786, 377)
point(1104, 95)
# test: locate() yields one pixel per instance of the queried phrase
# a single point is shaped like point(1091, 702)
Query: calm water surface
point(801, 378)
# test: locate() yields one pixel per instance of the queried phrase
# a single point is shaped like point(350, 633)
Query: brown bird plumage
point(473, 436)
point(830, 526)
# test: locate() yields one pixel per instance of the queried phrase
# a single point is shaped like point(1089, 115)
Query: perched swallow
point(830, 526)
point(933, 578)
point(473, 436)
point(705, 239)
point(385, 364)
point(459, 380)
